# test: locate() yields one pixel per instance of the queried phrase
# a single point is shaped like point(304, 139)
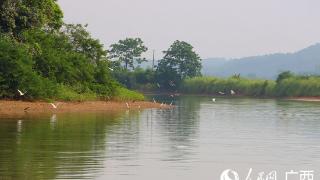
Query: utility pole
point(153, 59)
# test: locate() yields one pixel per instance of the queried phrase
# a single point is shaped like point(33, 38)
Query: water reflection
point(179, 129)
point(46, 148)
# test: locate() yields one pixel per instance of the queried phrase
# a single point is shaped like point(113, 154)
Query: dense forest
point(41, 57)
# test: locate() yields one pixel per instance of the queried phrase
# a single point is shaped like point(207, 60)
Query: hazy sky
point(216, 28)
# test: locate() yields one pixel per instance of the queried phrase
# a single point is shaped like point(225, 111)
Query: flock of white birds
point(55, 106)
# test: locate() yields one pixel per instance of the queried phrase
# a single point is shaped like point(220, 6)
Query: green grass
point(293, 86)
point(65, 93)
point(299, 86)
point(123, 94)
point(212, 85)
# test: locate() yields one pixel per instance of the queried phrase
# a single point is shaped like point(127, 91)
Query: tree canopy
point(19, 15)
point(128, 51)
point(180, 62)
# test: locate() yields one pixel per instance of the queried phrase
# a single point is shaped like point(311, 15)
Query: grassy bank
point(212, 85)
point(289, 85)
point(121, 94)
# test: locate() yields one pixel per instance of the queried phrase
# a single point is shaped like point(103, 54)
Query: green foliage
point(16, 72)
point(284, 75)
point(124, 94)
point(287, 85)
point(83, 43)
point(138, 79)
point(211, 85)
point(128, 51)
point(68, 94)
point(48, 66)
point(17, 16)
point(299, 86)
point(55, 61)
point(180, 62)
point(48, 60)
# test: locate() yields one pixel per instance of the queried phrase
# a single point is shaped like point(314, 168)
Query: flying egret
point(232, 92)
point(55, 106)
point(22, 93)
point(111, 69)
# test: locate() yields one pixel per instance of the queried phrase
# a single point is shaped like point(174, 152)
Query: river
point(198, 139)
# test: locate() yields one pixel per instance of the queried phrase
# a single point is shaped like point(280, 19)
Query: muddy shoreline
point(10, 109)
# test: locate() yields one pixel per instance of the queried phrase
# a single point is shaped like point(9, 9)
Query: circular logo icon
point(229, 175)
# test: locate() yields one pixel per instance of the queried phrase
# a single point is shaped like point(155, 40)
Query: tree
point(55, 58)
point(180, 62)
point(17, 16)
point(284, 75)
point(16, 72)
point(128, 52)
point(82, 42)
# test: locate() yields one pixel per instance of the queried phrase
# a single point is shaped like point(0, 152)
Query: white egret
point(55, 106)
point(232, 92)
point(22, 93)
point(111, 69)
point(221, 93)
point(214, 99)
point(127, 105)
point(154, 101)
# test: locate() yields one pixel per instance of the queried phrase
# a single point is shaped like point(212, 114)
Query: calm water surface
point(197, 140)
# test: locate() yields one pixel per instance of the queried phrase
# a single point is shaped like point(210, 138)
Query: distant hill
point(306, 61)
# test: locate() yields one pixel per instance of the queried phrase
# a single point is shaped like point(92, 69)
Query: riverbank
point(307, 99)
point(19, 108)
